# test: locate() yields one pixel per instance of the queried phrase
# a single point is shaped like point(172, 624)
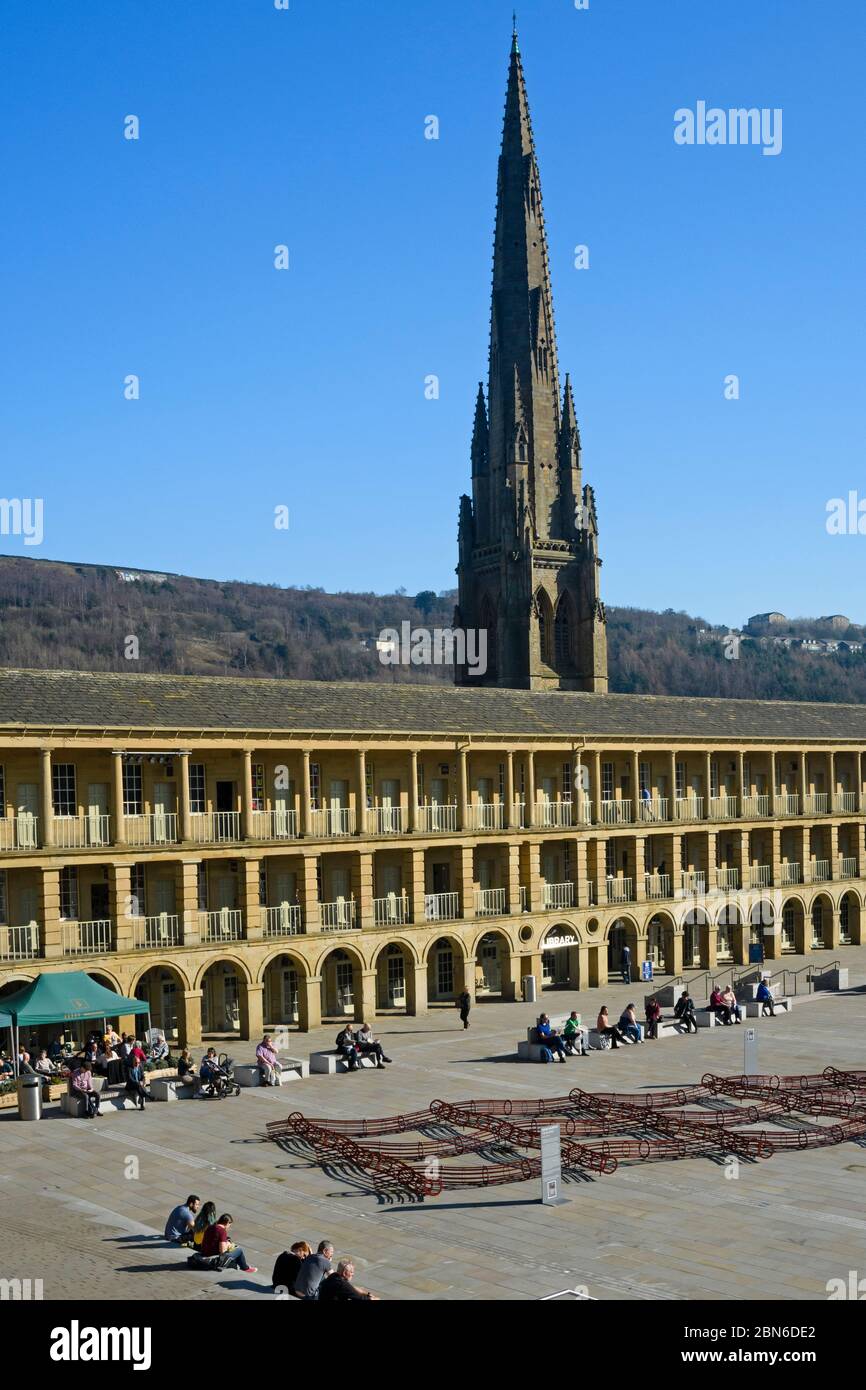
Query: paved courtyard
point(82, 1204)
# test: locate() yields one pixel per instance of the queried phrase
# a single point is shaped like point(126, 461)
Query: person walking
point(625, 965)
point(464, 1004)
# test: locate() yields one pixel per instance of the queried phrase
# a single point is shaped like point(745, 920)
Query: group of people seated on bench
point(571, 1042)
point(626, 1030)
point(352, 1046)
point(129, 1072)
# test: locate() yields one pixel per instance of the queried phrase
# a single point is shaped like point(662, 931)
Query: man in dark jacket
point(684, 1010)
point(338, 1287)
point(347, 1047)
point(464, 1004)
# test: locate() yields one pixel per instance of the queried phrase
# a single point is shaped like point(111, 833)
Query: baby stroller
point(223, 1082)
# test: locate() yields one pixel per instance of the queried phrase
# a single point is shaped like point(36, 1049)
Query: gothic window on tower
point(563, 634)
point(545, 627)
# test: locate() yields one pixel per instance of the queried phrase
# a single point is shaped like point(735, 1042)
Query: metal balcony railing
point(19, 943)
point(441, 907)
point(87, 938)
point(760, 875)
point(149, 933)
point(619, 890)
point(551, 814)
point(523, 896)
point(153, 828)
point(557, 895)
point(279, 824)
point(816, 804)
point(391, 911)
point(215, 827)
point(819, 871)
point(616, 812)
point(755, 807)
point(485, 815)
point(723, 808)
point(693, 881)
point(845, 802)
point(653, 808)
point(790, 874)
point(225, 924)
point(385, 820)
point(728, 879)
point(689, 808)
point(434, 817)
point(490, 902)
point(283, 920)
point(332, 821)
point(339, 915)
point(81, 832)
point(657, 885)
point(787, 804)
point(519, 815)
point(848, 868)
point(19, 833)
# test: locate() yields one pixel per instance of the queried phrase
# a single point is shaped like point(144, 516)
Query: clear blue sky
point(306, 388)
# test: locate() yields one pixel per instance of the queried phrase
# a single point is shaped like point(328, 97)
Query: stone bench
point(754, 1007)
point(329, 1063)
point(291, 1069)
point(172, 1088)
point(74, 1105)
point(534, 1052)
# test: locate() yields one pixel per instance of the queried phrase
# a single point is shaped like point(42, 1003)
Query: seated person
point(6, 1067)
point(347, 1046)
point(629, 1025)
point(204, 1218)
point(653, 1015)
point(338, 1287)
point(44, 1065)
point(112, 1038)
point(209, 1071)
point(549, 1037)
point(607, 1029)
point(181, 1223)
point(268, 1062)
point(684, 1010)
point(159, 1050)
point(135, 1083)
point(287, 1266)
point(730, 1001)
point(370, 1046)
point(81, 1085)
point(24, 1067)
point(216, 1242)
point(55, 1050)
point(719, 1007)
point(765, 999)
point(575, 1036)
point(186, 1070)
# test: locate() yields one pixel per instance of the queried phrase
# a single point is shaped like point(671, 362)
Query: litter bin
point(29, 1098)
point(530, 991)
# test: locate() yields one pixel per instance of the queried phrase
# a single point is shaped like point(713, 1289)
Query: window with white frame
point(607, 781)
point(263, 885)
point(566, 781)
point(137, 906)
point(501, 781)
point(63, 789)
point(133, 799)
point(315, 786)
point(69, 892)
point(197, 794)
point(522, 781)
point(201, 887)
point(714, 779)
point(258, 780)
point(610, 859)
point(681, 781)
point(368, 784)
point(644, 774)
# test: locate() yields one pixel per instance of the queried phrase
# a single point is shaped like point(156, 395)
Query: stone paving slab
point(780, 1230)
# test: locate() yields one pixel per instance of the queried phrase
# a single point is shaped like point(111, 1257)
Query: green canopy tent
point(62, 997)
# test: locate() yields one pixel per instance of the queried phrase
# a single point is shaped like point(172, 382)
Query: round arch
point(793, 918)
point(491, 953)
point(821, 912)
point(622, 932)
point(850, 919)
point(12, 983)
point(661, 942)
point(162, 985)
point(284, 999)
point(105, 977)
point(560, 957)
point(341, 967)
point(448, 968)
point(224, 982)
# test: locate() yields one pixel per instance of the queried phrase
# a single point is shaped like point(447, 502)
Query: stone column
point(745, 859)
point(467, 881)
point(117, 797)
point(310, 1002)
point(676, 865)
point(861, 786)
point(413, 879)
point(183, 798)
point(512, 970)
point(51, 927)
point(253, 910)
point(595, 793)
point(712, 872)
point(187, 903)
point(831, 769)
point(120, 894)
point(247, 832)
point(708, 938)
point(596, 868)
point(416, 986)
point(831, 927)
point(252, 1012)
point(577, 816)
point(310, 895)
point(362, 889)
point(365, 997)
point(804, 784)
point(672, 784)
point(190, 1020)
point(412, 798)
point(773, 775)
point(742, 791)
point(306, 795)
point(535, 885)
point(514, 879)
point(581, 872)
point(361, 792)
point(462, 790)
point(531, 819)
point(835, 863)
point(509, 790)
point(708, 783)
point(673, 941)
point(639, 868)
point(46, 800)
point(635, 786)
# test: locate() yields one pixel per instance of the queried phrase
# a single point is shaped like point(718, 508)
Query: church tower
point(528, 569)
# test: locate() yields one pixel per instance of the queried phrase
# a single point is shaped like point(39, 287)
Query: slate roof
point(114, 701)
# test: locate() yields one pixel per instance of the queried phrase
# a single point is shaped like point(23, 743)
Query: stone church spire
point(528, 546)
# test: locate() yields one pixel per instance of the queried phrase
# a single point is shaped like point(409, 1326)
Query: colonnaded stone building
point(244, 853)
